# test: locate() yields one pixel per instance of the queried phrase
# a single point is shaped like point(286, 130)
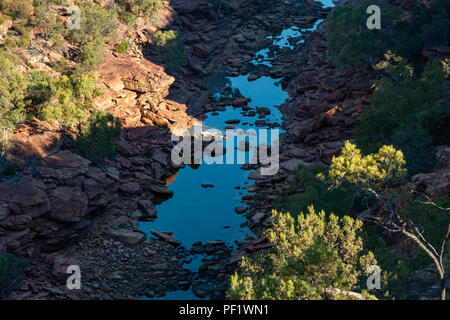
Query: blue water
point(196, 213)
point(202, 214)
point(282, 41)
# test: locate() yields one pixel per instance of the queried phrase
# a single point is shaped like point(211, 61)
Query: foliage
point(408, 111)
point(170, 44)
point(10, 169)
point(92, 54)
point(351, 42)
point(11, 273)
point(373, 170)
point(122, 47)
point(65, 99)
point(96, 23)
point(307, 188)
point(98, 136)
point(163, 37)
point(12, 91)
point(96, 26)
point(420, 219)
point(313, 257)
point(47, 22)
point(22, 9)
point(144, 8)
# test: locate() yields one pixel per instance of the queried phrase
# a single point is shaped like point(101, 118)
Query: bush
point(10, 169)
point(65, 99)
point(308, 189)
point(97, 138)
point(92, 55)
point(408, 111)
point(350, 42)
point(11, 273)
point(313, 257)
point(12, 91)
point(47, 22)
point(122, 47)
point(143, 8)
point(171, 46)
point(22, 9)
point(96, 26)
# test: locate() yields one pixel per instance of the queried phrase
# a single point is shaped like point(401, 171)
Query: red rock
point(130, 187)
point(334, 97)
point(68, 204)
point(126, 236)
point(32, 141)
point(148, 208)
point(127, 149)
point(434, 184)
point(18, 222)
point(92, 188)
point(26, 195)
point(63, 165)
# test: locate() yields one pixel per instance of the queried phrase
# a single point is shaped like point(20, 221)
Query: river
point(196, 213)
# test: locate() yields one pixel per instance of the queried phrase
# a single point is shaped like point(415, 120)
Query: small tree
point(312, 258)
point(98, 137)
point(375, 175)
point(11, 273)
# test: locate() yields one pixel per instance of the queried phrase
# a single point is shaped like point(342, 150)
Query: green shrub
point(92, 55)
point(122, 47)
point(309, 189)
point(12, 91)
point(47, 21)
point(170, 45)
point(96, 23)
point(313, 257)
point(10, 169)
point(349, 40)
point(22, 9)
point(97, 137)
point(65, 99)
point(403, 103)
point(143, 8)
point(96, 26)
point(11, 273)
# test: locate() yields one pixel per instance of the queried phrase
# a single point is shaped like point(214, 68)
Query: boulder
point(92, 188)
point(130, 187)
point(435, 184)
point(258, 217)
point(126, 236)
point(240, 210)
point(63, 165)
point(68, 204)
point(148, 208)
point(160, 190)
point(165, 237)
point(127, 149)
point(26, 195)
point(32, 141)
point(18, 222)
point(292, 164)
